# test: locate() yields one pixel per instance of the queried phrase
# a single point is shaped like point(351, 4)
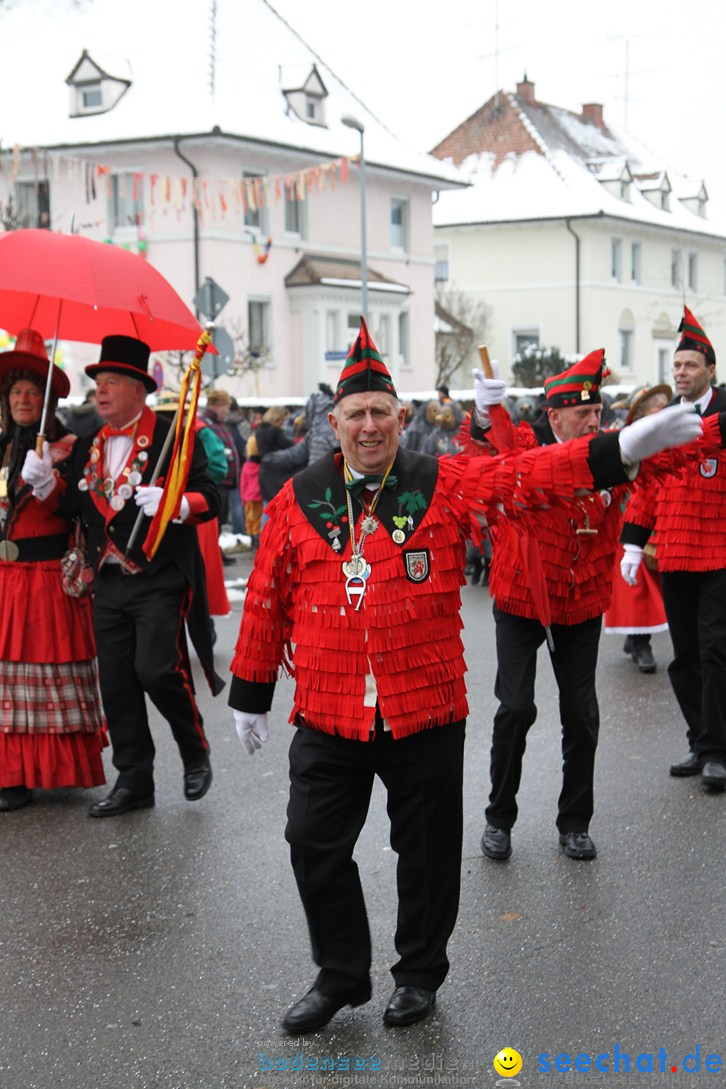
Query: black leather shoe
point(197, 780)
point(689, 765)
point(14, 798)
point(496, 843)
point(120, 800)
point(408, 1005)
point(713, 775)
point(315, 1009)
point(577, 845)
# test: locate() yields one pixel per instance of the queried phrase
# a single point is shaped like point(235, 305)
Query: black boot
point(642, 654)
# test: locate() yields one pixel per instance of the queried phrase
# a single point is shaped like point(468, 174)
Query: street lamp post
point(354, 123)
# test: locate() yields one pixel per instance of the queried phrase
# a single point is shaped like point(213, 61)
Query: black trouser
point(574, 662)
point(138, 622)
point(695, 604)
point(331, 779)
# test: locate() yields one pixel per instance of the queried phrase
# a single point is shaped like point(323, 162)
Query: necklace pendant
point(355, 586)
point(368, 524)
point(354, 567)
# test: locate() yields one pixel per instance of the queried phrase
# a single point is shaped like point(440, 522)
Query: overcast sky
point(425, 67)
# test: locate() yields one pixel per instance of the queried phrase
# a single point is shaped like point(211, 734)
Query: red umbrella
point(68, 286)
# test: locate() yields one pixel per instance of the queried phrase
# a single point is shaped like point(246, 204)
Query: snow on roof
point(568, 176)
point(191, 73)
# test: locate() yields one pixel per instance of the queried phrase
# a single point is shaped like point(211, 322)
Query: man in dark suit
point(686, 514)
point(140, 605)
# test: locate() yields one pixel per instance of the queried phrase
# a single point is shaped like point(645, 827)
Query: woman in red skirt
point(637, 612)
point(52, 728)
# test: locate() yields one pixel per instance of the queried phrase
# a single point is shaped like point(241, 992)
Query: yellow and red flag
point(178, 471)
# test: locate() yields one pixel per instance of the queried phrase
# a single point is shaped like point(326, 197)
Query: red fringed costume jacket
point(687, 509)
point(576, 540)
point(402, 648)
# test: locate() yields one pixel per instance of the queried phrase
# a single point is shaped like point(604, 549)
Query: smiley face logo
point(508, 1062)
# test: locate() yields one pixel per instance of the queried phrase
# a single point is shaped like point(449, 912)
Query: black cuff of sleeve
point(252, 696)
point(478, 433)
point(635, 535)
point(605, 462)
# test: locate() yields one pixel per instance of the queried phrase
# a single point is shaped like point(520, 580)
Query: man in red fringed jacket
point(687, 515)
point(359, 569)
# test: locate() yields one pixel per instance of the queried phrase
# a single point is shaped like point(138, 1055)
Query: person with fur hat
point(140, 604)
point(686, 515)
point(356, 587)
point(637, 612)
point(553, 581)
point(52, 728)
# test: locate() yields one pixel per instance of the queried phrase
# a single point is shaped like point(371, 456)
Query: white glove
point(252, 730)
point(148, 496)
point(38, 471)
point(488, 391)
point(659, 431)
point(631, 561)
point(184, 510)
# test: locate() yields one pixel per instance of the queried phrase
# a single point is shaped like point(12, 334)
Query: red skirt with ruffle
point(52, 729)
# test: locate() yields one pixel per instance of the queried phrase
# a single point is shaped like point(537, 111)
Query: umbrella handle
point(48, 385)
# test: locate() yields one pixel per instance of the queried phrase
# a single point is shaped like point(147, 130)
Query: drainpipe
point(577, 285)
point(195, 215)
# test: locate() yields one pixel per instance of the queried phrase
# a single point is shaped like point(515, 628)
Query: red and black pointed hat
point(364, 370)
point(693, 337)
point(580, 384)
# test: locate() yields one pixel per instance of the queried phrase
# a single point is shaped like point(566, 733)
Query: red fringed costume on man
point(556, 576)
point(359, 569)
point(687, 514)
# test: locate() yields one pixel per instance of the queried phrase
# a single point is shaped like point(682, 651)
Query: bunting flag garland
point(262, 254)
point(168, 191)
point(178, 472)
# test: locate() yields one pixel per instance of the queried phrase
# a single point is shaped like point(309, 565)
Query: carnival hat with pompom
point(693, 337)
point(364, 370)
point(580, 384)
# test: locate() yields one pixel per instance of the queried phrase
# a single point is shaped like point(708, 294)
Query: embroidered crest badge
point(417, 565)
point(708, 467)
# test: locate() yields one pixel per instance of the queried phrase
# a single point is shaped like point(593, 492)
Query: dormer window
point(305, 94)
point(96, 86)
point(91, 96)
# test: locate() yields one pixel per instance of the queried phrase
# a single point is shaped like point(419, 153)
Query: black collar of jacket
point(415, 473)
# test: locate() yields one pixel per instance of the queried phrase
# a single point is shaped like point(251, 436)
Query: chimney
point(592, 111)
point(525, 90)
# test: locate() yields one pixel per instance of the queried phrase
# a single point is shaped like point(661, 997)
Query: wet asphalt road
point(160, 949)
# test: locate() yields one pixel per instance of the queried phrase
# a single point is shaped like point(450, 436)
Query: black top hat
point(124, 355)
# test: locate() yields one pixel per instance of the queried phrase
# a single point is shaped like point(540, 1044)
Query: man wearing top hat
point(356, 586)
point(552, 583)
point(687, 517)
point(140, 605)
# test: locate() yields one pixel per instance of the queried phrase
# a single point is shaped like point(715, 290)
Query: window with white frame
point(441, 264)
point(399, 223)
point(90, 96)
point(404, 350)
point(332, 332)
point(256, 213)
point(693, 271)
point(524, 336)
point(294, 213)
point(383, 334)
point(259, 327)
point(32, 203)
point(616, 259)
point(353, 327)
point(664, 365)
point(676, 268)
point(636, 262)
point(625, 337)
point(126, 202)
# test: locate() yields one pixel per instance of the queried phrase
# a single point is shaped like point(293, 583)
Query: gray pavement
point(160, 949)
